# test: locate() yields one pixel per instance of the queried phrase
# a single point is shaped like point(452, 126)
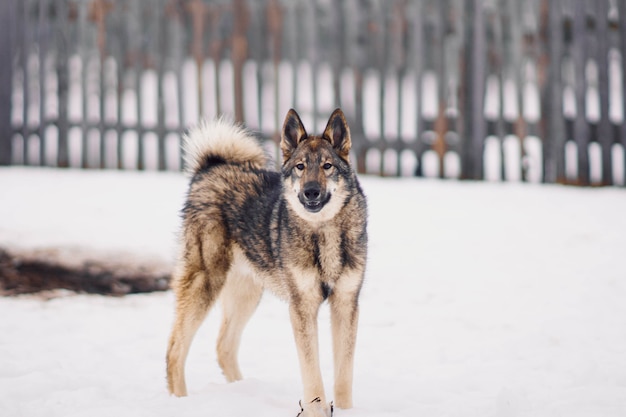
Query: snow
point(481, 299)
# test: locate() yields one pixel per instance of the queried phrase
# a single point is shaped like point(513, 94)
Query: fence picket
point(553, 26)
point(62, 74)
point(7, 40)
point(622, 29)
point(605, 133)
point(581, 129)
point(26, 81)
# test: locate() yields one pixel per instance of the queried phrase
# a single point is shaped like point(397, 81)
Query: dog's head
point(316, 168)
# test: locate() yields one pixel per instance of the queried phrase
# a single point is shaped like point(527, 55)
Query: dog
point(300, 233)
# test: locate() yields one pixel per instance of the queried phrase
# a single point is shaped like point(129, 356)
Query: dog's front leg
point(303, 314)
point(344, 314)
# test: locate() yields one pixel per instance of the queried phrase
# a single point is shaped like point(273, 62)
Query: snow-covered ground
point(481, 299)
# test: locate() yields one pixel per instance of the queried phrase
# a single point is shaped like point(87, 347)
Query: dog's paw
point(316, 409)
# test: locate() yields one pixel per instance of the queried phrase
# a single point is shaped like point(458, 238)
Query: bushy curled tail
point(221, 141)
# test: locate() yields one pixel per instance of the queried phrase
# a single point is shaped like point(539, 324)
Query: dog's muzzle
point(312, 197)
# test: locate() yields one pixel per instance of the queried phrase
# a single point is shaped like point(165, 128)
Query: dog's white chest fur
point(330, 254)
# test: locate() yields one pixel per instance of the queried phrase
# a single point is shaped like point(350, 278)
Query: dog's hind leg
point(240, 297)
point(197, 287)
point(191, 309)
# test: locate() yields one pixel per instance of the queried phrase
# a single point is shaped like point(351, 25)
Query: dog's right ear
point(292, 134)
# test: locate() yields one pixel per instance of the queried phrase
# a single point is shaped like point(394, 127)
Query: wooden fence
point(528, 90)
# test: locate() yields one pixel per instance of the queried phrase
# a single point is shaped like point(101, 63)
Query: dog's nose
point(311, 191)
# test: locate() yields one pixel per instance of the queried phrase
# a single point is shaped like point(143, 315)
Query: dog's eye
point(327, 166)
point(300, 167)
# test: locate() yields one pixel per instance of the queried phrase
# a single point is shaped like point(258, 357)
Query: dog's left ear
point(293, 133)
point(338, 133)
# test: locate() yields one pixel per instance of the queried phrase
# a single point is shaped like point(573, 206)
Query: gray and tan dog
point(300, 233)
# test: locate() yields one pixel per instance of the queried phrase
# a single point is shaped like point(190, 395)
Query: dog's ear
point(292, 134)
point(338, 133)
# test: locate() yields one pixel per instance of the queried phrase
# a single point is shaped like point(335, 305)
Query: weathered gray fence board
point(25, 30)
point(7, 40)
point(61, 67)
point(622, 29)
point(123, 76)
point(415, 46)
point(604, 131)
point(578, 52)
point(553, 127)
point(474, 86)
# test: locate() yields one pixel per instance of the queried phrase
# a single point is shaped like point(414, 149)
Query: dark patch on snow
point(27, 274)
